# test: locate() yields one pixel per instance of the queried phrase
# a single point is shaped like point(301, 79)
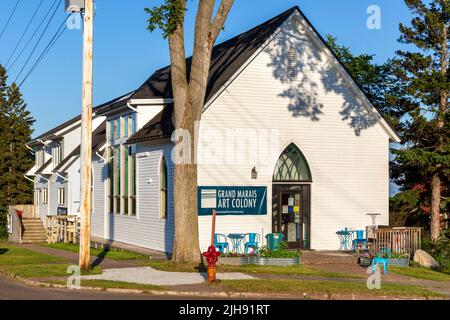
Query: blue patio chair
point(382, 257)
point(251, 240)
point(221, 243)
point(359, 240)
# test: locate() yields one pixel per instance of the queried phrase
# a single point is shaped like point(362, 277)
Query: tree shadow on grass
point(3, 250)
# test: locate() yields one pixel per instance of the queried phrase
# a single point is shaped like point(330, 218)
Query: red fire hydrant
point(211, 256)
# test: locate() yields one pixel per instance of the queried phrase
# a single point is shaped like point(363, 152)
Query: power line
point(24, 32)
point(32, 36)
point(10, 17)
point(49, 46)
point(37, 43)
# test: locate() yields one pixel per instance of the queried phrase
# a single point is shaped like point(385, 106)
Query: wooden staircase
point(33, 231)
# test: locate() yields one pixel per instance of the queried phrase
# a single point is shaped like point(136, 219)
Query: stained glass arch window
point(292, 166)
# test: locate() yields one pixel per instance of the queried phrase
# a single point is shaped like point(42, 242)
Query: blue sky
point(125, 53)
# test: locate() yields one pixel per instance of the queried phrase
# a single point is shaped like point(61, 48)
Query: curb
point(223, 294)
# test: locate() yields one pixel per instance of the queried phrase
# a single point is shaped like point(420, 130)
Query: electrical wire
point(32, 36)
point(10, 17)
point(49, 46)
point(24, 32)
point(37, 43)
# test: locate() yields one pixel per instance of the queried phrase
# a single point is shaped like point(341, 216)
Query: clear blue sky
point(126, 53)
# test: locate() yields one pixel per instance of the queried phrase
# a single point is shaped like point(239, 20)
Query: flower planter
point(233, 261)
point(402, 262)
point(261, 261)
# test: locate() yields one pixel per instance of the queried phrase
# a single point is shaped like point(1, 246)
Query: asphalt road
point(12, 290)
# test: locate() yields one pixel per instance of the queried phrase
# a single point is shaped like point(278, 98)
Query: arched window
point(163, 189)
point(292, 166)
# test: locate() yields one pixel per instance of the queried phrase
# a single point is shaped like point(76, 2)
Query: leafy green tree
point(424, 74)
point(15, 157)
point(189, 90)
point(378, 81)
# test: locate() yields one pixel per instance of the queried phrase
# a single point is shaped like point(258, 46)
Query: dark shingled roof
point(161, 126)
point(226, 59)
point(41, 169)
point(98, 109)
point(98, 138)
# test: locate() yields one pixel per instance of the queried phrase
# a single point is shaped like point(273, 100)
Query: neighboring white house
point(56, 172)
point(288, 143)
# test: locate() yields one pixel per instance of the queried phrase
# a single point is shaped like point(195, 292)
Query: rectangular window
point(39, 157)
point(45, 196)
point(111, 179)
point(61, 196)
point(121, 166)
point(57, 152)
point(110, 132)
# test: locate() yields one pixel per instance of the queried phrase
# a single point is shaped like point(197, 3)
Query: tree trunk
point(435, 228)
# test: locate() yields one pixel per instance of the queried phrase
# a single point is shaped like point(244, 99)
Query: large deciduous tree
point(15, 158)
point(189, 90)
point(424, 73)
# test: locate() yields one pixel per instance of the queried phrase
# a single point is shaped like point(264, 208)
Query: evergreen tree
point(15, 157)
point(425, 77)
point(378, 82)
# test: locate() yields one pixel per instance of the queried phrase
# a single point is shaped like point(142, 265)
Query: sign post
point(212, 254)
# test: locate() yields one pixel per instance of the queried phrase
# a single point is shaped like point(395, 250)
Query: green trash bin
point(274, 240)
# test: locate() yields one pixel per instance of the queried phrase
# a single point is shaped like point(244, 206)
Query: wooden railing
point(62, 228)
point(28, 210)
point(400, 240)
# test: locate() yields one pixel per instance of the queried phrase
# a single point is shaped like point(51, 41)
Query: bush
point(282, 252)
point(439, 250)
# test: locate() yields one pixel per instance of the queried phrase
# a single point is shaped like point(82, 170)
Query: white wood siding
point(99, 179)
point(146, 229)
point(349, 171)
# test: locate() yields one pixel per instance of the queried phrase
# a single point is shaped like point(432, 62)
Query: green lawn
point(251, 269)
point(30, 264)
point(331, 287)
point(111, 254)
point(97, 283)
point(421, 273)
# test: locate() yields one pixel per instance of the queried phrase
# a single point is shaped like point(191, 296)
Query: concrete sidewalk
point(148, 275)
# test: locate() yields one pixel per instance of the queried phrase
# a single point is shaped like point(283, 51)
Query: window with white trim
point(44, 195)
point(61, 196)
point(121, 165)
point(39, 157)
point(57, 152)
point(163, 183)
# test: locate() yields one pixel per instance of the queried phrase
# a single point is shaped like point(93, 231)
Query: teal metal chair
point(221, 242)
point(251, 240)
point(382, 257)
point(359, 240)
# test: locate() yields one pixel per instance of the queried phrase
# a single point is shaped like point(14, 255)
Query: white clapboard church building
point(287, 143)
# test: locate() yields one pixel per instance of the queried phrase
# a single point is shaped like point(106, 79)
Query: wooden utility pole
point(86, 136)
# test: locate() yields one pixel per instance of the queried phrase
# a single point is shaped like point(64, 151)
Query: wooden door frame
point(282, 188)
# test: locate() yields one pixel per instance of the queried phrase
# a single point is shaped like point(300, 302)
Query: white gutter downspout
point(28, 147)
point(45, 144)
point(100, 156)
point(131, 107)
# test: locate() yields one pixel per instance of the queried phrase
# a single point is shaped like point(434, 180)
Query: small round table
point(344, 238)
point(236, 239)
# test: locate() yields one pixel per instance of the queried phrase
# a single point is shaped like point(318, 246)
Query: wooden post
point(213, 227)
point(86, 136)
